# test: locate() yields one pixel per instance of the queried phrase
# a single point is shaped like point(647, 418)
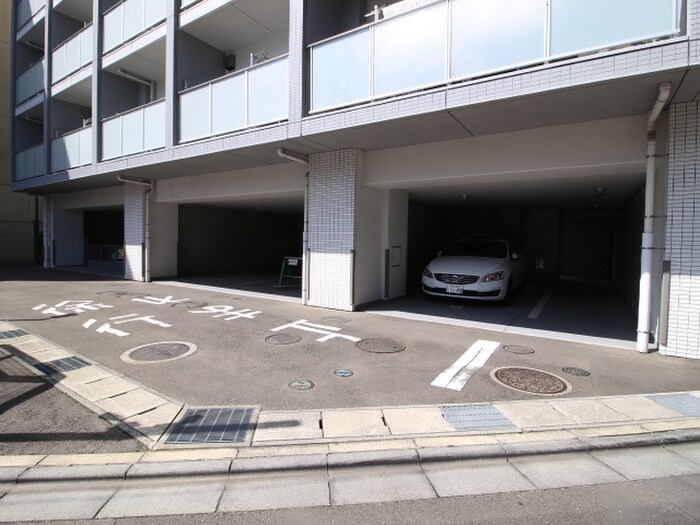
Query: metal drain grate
point(573, 371)
point(67, 364)
point(283, 339)
point(11, 334)
point(159, 352)
point(380, 346)
point(213, 425)
point(478, 417)
point(531, 380)
point(518, 349)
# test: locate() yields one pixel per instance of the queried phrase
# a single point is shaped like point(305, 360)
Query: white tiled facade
point(683, 232)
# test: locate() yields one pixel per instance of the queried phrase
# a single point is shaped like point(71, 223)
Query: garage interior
point(103, 232)
point(581, 238)
point(241, 246)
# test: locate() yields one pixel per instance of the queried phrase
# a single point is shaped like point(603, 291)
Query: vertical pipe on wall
point(644, 317)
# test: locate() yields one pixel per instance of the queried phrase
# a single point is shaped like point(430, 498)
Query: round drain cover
point(343, 372)
point(380, 346)
point(158, 352)
point(189, 304)
point(301, 384)
point(518, 349)
point(531, 380)
point(283, 339)
point(572, 370)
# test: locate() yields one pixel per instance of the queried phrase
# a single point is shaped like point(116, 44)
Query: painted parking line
point(537, 310)
point(458, 373)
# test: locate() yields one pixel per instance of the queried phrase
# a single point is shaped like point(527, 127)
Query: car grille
point(451, 278)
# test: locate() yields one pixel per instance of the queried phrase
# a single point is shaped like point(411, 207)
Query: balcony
point(26, 9)
point(73, 55)
point(72, 150)
point(250, 97)
point(29, 163)
point(454, 40)
point(29, 83)
point(135, 131)
point(131, 18)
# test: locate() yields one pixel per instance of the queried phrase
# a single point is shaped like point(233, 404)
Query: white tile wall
point(333, 179)
point(683, 231)
point(134, 223)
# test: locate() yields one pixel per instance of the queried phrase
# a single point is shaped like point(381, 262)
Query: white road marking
point(458, 373)
point(537, 310)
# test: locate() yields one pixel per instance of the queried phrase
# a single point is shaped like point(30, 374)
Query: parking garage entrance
point(251, 248)
point(103, 234)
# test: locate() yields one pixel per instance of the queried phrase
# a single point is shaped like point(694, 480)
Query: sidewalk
point(229, 459)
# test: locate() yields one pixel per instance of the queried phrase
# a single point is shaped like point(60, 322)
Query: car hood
point(467, 265)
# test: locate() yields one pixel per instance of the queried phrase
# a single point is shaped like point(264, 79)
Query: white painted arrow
point(458, 373)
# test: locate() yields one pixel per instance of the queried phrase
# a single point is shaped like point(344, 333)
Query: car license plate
point(454, 288)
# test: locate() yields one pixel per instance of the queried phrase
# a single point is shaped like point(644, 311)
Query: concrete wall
point(395, 239)
point(68, 244)
point(164, 238)
point(370, 219)
point(198, 62)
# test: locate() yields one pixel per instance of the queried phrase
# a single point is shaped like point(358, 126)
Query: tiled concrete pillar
point(333, 180)
point(134, 231)
point(683, 232)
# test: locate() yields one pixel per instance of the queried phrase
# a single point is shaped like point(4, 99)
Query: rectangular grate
point(213, 425)
point(476, 417)
point(686, 404)
point(67, 364)
point(11, 334)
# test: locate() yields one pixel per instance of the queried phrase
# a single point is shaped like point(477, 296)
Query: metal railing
point(130, 18)
point(72, 55)
point(137, 130)
point(251, 97)
point(72, 150)
point(453, 40)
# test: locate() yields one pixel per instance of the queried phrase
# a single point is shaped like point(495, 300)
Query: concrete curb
point(288, 463)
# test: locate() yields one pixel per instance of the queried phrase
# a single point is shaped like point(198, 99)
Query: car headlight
point(495, 276)
point(427, 272)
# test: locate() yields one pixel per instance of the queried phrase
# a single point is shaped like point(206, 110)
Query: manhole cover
point(158, 352)
point(380, 346)
point(283, 339)
point(572, 370)
point(531, 380)
point(189, 304)
point(343, 372)
point(301, 384)
point(518, 349)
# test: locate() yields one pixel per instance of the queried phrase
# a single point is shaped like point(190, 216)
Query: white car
point(483, 268)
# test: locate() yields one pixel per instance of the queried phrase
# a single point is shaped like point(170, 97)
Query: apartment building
point(19, 217)
point(210, 136)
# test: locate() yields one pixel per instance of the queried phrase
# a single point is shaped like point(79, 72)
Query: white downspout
point(644, 317)
point(147, 223)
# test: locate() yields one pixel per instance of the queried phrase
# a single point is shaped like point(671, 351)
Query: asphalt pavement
point(127, 383)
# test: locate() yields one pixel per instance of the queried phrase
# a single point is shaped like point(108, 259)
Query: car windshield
point(477, 248)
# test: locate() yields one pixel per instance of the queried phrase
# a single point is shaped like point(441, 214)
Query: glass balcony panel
point(72, 143)
point(112, 138)
point(86, 46)
point(30, 82)
point(133, 18)
point(410, 51)
point(59, 159)
point(156, 10)
point(132, 132)
point(38, 160)
point(580, 26)
point(497, 34)
point(26, 9)
point(112, 31)
point(30, 169)
point(20, 166)
point(195, 113)
point(154, 126)
point(73, 61)
point(85, 137)
point(267, 93)
point(341, 71)
point(228, 104)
